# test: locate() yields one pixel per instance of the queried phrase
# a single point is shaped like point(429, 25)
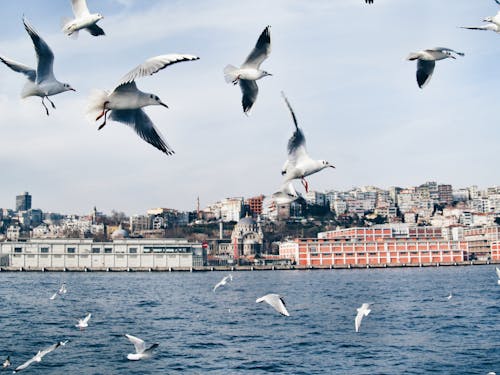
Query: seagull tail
point(96, 104)
point(230, 73)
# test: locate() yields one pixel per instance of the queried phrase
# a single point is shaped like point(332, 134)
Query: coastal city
point(429, 224)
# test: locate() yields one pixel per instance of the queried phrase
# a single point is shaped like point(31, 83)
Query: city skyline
point(354, 94)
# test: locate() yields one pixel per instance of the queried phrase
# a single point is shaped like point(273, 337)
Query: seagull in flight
point(498, 274)
point(6, 362)
point(83, 20)
point(84, 323)
point(250, 71)
point(427, 60)
point(493, 23)
point(276, 301)
point(125, 101)
point(62, 290)
point(299, 164)
point(362, 312)
point(287, 194)
point(141, 352)
point(223, 281)
point(38, 356)
point(41, 81)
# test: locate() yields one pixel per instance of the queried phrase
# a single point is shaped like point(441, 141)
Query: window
point(108, 250)
point(18, 249)
point(132, 250)
point(70, 250)
point(96, 250)
point(44, 250)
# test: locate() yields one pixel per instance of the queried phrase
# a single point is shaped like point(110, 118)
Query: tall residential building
point(23, 202)
point(445, 193)
point(255, 205)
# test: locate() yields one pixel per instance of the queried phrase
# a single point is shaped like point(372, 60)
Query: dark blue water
point(412, 329)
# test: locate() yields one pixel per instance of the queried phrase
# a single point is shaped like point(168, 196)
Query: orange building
point(495, 250)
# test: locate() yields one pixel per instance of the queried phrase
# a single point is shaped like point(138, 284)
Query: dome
point(119, 233)
point(248, 221)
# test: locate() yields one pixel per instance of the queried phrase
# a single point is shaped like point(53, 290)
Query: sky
point(342, 65)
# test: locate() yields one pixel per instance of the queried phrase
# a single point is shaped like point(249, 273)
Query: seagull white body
point(427, 60)
point(276, 301)
point(62, 289)
point(141, 352)
point(41, 81)
point(250, 71)
point(83, 20)
point(38, 357)
point(223, 281)
point(299, 164)
point(362, 312)
point(6, 362)
point(126, 101)
point(83, 323)
point(449, 297)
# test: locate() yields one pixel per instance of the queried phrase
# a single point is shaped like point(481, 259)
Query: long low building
point(87, 254)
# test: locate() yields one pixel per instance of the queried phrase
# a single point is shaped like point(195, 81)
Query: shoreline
point(249, 268)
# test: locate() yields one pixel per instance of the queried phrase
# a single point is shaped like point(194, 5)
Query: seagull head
point(67, 87)
point(326, 164)
point(264, 73)
point(155, 100)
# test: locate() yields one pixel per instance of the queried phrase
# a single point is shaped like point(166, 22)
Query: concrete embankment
point(246, 268)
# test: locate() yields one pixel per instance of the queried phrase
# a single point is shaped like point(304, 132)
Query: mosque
point(247, 238)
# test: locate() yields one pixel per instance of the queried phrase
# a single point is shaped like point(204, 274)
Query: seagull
point(449, 297)
point(84, 323)
point(6, 362)
point(250, 71)
point(427, 60)
point(276, 301)
point(62, 290)
point(287, 194)
point(125, 101)
point(369, 1)
point(38, 356)
point(83, 20)
point(362, 311)
point(41, 81)
point(223, 281)
point(299, 164)
point(140, 348)
point(498, 274)
point(493, 23)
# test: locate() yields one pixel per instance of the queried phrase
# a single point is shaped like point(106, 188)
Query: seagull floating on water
point(140, 348)
point(84, 323)
point(250, 71)
point(6, 362)
point(83, 20)
point(362, 312)
point(223, 281)
point(427, 60)
point(276, 301)
point(41, 81)
point(126, 101)
point(38, 356)
point(299, 164)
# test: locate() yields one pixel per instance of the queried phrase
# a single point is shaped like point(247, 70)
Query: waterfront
point(413, 327)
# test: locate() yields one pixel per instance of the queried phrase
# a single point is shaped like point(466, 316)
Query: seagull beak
point(332, 166)
point(163, 104)
point(72, 89)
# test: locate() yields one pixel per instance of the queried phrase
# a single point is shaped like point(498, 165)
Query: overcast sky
point(340, 62)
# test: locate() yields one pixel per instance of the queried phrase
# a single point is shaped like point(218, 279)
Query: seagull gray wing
point(296, 147)
point(261, 50)
point(424, 72)
point(489, 26)
point(139, 344)
point(154, 65)
point(291, 110)
point(143, 126)
point(45, 57)
point(497, 271)
point(151, 348)
point(25, 364)
point(20, 68)
point(249, 89)
point(445, 50)
point(49, 349)
point(80, 8)
point(497, 1)
point(95, 30)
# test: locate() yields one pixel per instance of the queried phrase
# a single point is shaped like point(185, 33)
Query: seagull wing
point(296, 148)
point(25, 364)
point(424, 72)
point(249, 89)
point(54, 296)
point(138, 120)
point(154, 65)
point(498, 272)
point(149, 350)
point(139, 344)
point(20, 68)
point(45, 57)
point(276, 301)
point(218, 284)
point(358, 319)
point(497, 1)
point(80, 8)
point(49, 349)
point(261, 50)
point(444, 49)
point(95, 30)
point(87, 318)
point(291, 110)
point(489, 26)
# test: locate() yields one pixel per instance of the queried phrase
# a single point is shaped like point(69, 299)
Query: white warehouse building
point(79, 254)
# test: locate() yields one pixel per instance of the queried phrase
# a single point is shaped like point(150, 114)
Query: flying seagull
point(6, 362)
point(299, 164)
point(125, 101)
point(498, 274)
point(38, 356)
point(493, 23)
point(41, 81)
point(84, 323)
point(250, 71)
point(362, 311)
point(62, 290)
point(427, 60)
point(83, 20)
point(223, 281)
point(287, 194)
point(140, 348)
point(276, 301)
